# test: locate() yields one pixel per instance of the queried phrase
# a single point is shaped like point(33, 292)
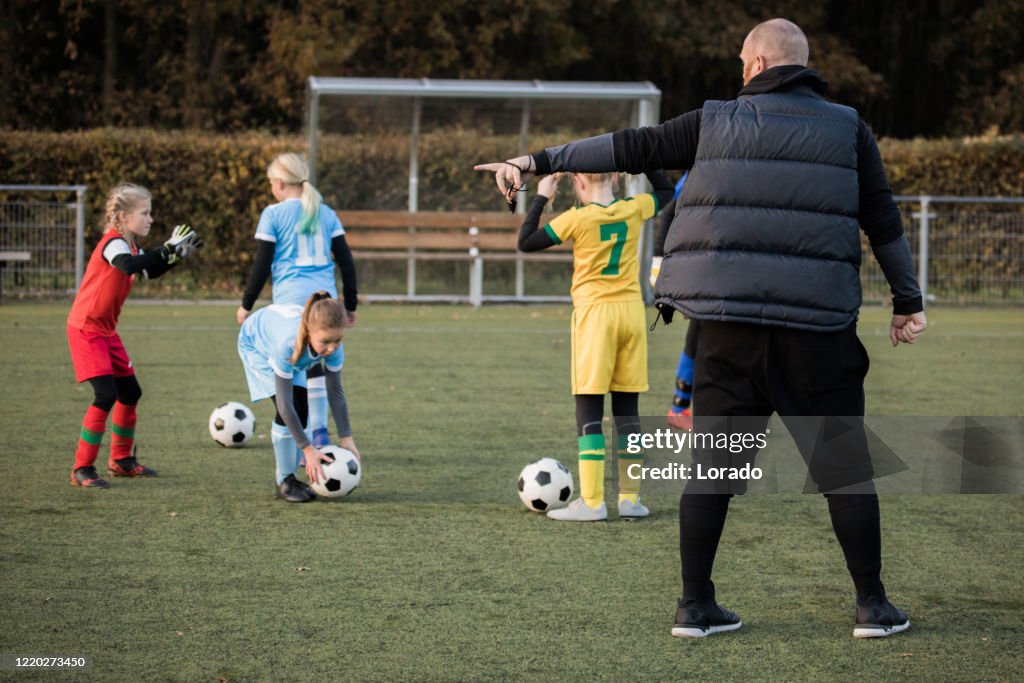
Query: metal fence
point(967, 250)
point(46, 222)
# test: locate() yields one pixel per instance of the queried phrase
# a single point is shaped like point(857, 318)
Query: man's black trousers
point(751, 371)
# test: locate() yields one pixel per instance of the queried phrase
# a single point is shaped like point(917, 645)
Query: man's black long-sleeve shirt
point(673, 145)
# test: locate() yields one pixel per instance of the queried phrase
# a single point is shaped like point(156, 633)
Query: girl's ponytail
point(311, 201)
point(322, 311)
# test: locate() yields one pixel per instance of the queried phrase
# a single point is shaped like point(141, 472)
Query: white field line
point(511, 330)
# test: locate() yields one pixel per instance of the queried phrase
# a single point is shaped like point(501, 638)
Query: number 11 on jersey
point(311, 243)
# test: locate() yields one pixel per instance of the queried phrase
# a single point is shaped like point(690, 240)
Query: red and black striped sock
point(93, 425)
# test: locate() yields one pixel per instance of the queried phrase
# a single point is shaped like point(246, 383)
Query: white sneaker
point(630, 510)
point(578, 511)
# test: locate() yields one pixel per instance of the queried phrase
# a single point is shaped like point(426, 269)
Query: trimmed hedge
point(218, 183)
point(984, 167)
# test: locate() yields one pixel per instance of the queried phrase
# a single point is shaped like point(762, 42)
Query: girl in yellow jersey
point(609, 344)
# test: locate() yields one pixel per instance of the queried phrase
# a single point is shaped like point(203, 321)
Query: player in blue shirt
point(680, 414)
point(277, 345)
point(296, 238)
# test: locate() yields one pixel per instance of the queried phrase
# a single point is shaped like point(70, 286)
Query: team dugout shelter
point(412, 115)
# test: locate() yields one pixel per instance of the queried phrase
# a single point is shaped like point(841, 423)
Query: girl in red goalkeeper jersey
point(97, 353)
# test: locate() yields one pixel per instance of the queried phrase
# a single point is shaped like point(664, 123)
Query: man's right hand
point(510, 174)
point(241, 314)
point(907, 328)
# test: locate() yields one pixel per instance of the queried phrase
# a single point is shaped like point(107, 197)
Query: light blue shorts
point(259, 375)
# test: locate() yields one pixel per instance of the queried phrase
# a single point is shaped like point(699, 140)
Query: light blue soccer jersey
point(266, 343)
point(302, 263)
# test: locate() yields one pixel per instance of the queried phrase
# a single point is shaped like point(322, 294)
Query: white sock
point(316, 427)
point(284, 451)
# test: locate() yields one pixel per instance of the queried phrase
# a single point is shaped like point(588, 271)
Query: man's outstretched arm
point(671, 145)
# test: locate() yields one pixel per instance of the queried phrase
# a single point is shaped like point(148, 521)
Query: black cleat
point(695, 620)
point(307, 488)
point(878, 618)
point(292, 490)
point(86, 477)
point(129, 467)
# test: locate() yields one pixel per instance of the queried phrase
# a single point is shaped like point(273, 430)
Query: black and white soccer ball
point(341, 475)
point(544, 485)
point(232, 424)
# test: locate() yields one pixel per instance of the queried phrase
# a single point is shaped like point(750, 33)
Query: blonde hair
point(321, 312)
point(124, 197)
point(599, 178)
point(292, 170)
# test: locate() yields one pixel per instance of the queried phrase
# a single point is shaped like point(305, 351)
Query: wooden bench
point(446, 236)
point(10, 256)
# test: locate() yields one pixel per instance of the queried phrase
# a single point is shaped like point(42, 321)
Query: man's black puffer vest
point(766, 229)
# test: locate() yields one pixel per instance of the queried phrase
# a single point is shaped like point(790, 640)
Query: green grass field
point(432, 570)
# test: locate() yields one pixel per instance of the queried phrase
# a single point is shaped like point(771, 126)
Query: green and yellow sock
point(591, 448)
point(629, 489)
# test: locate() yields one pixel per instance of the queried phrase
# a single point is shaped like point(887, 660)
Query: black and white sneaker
point(307, 488)
point(695, 620)
point(878, 618)
point(291, 490)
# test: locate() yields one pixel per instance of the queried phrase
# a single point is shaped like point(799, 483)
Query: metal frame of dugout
point(645, 96)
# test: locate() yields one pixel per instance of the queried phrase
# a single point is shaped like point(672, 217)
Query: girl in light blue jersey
point(277, 345)
point(296, 238)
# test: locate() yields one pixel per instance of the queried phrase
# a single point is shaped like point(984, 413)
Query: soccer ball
point(341, 474)
point(544, 485)
point(232, 424)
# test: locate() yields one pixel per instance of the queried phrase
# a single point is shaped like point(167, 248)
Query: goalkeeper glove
point(181, 234)
point(185, 249)
point(182, 243)
point(655, 269)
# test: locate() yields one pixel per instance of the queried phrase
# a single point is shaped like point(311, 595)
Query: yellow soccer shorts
point(609, 348)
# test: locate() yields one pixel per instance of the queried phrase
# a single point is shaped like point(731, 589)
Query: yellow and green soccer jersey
point(606, 266)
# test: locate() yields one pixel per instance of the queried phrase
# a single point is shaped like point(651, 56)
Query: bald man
point(764, 250)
